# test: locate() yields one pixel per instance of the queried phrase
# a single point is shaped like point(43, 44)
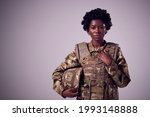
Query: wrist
point(63, 94)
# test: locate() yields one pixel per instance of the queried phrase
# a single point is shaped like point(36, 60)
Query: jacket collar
point(93, 49)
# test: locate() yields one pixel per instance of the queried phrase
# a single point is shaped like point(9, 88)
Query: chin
point(98, 39)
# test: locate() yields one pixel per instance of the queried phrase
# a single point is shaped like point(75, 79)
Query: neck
point(98, 43)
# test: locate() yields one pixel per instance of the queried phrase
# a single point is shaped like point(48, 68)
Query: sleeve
point(118, 70)
point(70, 62)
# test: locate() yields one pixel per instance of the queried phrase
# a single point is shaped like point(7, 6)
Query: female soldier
point(104, 66)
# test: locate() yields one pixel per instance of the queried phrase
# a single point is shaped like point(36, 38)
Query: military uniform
point(99, 80)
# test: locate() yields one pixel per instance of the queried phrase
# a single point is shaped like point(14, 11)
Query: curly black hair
point(96, 14)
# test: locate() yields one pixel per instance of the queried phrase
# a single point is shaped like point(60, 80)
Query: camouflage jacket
point(117, 73)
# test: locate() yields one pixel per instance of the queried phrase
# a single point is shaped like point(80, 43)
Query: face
point(97, 30)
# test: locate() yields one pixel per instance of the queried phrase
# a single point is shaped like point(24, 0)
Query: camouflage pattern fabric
point(71, 77)
point(100, 81)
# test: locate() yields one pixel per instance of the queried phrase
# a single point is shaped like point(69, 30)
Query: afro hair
point(96, 14)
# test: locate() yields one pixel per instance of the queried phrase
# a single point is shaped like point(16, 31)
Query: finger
point(74, 94)
point(69, 93)
point(74, 89)
point(105, 51)
point(105, 54)
point(102, 51)
point(99, 54)
point(102, 55)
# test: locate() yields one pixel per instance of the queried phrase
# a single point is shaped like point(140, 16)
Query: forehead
point(96, 22)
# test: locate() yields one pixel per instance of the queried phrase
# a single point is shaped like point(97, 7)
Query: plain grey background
point(36, 36)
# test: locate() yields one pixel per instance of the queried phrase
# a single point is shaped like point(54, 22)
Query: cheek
point(104, 32)
point(89, 33)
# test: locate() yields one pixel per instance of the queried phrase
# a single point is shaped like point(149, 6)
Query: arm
point(70, 62)
point(119, 70)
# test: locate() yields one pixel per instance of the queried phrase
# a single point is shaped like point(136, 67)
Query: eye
point(102, 27)
point(92, 27)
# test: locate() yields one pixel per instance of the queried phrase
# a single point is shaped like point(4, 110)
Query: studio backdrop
point(36, 36)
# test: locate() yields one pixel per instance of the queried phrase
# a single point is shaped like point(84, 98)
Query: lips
point(96, 34)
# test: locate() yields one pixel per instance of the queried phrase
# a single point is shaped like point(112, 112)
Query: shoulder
point(112, 44)
point(82, 43)
point(81, 46)
point(82, 50)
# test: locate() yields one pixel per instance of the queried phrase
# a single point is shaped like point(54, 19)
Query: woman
point(104, 69)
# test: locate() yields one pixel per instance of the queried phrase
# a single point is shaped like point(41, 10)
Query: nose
point(97, 30)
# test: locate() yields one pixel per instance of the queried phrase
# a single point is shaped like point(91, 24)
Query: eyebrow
point(98, 25)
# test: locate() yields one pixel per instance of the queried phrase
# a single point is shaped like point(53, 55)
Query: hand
point(73, 92)
point(105, 57)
